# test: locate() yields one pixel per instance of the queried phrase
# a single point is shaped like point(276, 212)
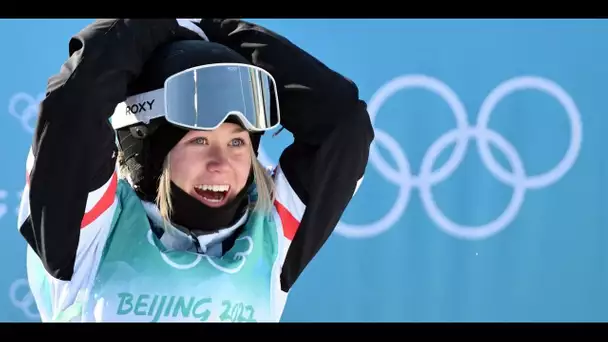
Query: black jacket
point(74, 143)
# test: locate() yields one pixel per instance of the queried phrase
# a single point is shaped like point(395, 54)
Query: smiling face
point(212, 166)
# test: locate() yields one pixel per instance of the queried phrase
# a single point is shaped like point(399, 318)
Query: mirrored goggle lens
point(203, 97)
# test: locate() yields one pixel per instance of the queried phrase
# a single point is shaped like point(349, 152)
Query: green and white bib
point(130, 275)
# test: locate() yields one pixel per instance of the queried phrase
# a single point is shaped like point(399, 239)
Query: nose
point(217, 161)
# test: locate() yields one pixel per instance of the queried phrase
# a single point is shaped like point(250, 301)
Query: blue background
point(549, 263)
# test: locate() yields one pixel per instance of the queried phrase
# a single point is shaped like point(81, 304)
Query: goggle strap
point(140, 108)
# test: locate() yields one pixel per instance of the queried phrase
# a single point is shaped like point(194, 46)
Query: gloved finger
point(191, 24)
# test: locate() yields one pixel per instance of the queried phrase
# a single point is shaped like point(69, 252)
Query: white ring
point(29, 112)
point(486, 230)
point(576, 135)
point(450, 97)
point(401, 203)
point(27, 302)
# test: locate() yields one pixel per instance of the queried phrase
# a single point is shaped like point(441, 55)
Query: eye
point(199, 141)
point(237, 142)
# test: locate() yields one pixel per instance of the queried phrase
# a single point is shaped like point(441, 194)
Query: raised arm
point(71, 180)
point(317, 174)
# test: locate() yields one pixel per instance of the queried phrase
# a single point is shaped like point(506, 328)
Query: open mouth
point(212, 195)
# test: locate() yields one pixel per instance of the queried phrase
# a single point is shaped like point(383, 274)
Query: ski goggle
point(201, 98)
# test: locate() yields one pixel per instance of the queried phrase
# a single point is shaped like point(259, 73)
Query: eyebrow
point(238, 129)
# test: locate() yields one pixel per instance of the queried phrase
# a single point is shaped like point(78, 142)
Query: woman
point(197, 230)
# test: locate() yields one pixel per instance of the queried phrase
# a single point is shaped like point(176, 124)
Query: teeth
point(216, 188)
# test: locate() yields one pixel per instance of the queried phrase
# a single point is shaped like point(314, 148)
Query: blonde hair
point(263, 182)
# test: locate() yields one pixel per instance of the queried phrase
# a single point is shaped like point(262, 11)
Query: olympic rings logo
point(461, 136)
point(24, 107)
point(25, 302)
point(238, 256)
